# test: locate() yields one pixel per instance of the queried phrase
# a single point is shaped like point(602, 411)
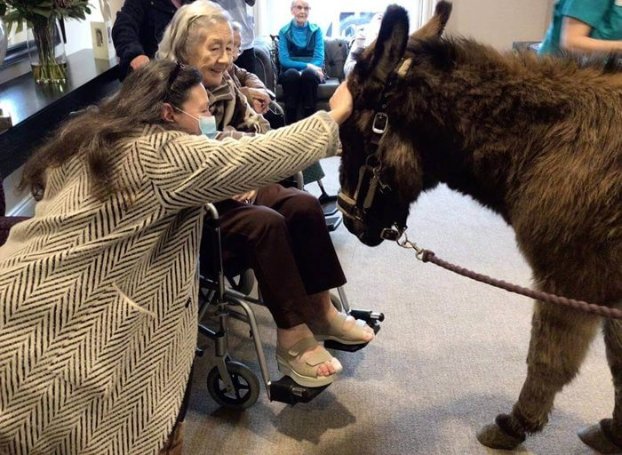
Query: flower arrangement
point(42, 11)
point(42, 17)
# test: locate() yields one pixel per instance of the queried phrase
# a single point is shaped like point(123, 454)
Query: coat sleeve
point(248, 79)
point(126, 32)
point(246, 119)
point(189, 171)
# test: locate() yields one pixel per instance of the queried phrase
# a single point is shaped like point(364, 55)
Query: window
point(338, 18)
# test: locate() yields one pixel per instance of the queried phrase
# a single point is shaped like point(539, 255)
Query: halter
point(369, 181)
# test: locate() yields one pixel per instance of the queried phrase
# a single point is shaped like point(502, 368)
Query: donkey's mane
point(514, 87)
point(449, 52)
point(554, 76)
point(477, 104)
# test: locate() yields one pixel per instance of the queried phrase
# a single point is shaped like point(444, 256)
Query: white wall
point(495, 22)
point(500, 22)
point(79, 32)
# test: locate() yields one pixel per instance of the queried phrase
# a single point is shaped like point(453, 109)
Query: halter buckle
point(381, 121)
point(392, 234)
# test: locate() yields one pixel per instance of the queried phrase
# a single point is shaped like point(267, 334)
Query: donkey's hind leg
point(560, 338)
point(606, 437)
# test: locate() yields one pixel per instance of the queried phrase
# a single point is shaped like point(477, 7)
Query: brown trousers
point(283, 238)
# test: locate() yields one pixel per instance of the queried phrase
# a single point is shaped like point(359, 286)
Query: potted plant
point(46, 51)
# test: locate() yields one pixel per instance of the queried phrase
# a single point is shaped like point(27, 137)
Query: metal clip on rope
point(407, 244)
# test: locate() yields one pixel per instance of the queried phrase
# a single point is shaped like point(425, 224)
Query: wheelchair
point(230, 383)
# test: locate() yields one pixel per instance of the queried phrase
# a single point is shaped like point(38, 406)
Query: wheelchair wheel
point(245, 384)
point(336, 301)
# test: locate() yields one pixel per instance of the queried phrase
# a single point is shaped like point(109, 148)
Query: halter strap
point(369, 181)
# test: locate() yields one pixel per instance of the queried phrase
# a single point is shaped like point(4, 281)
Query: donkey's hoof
point(596, 438)
point(496, 436)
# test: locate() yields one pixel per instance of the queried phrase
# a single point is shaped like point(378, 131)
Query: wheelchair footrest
point(368, 316)
point(333, 221)
point(286, 390)
point(372, 318)
point(329, 204)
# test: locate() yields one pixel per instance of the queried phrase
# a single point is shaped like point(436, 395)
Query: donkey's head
point(381, 173)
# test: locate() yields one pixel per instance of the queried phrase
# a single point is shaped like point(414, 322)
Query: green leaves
point(34, 11)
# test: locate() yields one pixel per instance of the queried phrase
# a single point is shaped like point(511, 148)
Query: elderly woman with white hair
point(279, 232)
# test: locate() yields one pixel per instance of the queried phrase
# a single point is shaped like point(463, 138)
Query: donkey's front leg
point(560, 338)
point(606, 437)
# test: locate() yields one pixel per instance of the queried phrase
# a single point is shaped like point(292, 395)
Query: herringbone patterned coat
point(98, 315)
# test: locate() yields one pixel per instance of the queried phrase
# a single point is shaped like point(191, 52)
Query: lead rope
point(429, 256)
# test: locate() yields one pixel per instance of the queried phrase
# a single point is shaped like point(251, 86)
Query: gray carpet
point(449, 357)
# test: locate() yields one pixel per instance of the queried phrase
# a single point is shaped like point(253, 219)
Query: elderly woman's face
point(213, 55)
point(300, 11)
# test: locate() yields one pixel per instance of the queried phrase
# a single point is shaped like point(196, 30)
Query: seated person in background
point(365, 36)
point(260, 99)
point(99, 288)
point(584, 27)
point(301, 56)
point(279, 232)
point(239, 14)
point(137, 30)
point(251, 86)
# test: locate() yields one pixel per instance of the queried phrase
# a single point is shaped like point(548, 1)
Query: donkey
point(538, 141)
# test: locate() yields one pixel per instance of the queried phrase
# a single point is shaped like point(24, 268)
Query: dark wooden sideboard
point(37, 110)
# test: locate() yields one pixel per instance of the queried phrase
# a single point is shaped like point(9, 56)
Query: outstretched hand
point(341, 103)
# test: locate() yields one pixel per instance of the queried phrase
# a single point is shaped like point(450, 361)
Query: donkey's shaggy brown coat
point(537, 140)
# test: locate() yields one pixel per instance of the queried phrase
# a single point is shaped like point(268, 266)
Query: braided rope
point(612, 313)
point(429, 256)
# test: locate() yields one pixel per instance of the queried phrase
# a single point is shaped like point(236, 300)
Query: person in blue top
point(584, 27)
point(301, 55)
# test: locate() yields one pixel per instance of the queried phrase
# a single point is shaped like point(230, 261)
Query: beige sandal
point(335, 331)
point(304, 372)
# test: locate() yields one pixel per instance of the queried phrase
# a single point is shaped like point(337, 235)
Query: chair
point(222, 296)
point(267, 66)
point(267, 69)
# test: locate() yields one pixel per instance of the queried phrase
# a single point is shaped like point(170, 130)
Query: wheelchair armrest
point(212, 211)
point(300, 180)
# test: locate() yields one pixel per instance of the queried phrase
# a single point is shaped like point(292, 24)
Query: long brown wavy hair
point(95, 132)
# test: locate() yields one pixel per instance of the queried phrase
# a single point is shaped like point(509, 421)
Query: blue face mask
point(207, 124)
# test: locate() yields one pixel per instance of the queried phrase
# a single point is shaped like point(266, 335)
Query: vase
point(46, 51)
point(3, 41)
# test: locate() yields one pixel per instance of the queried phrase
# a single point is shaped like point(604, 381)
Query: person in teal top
point(585, 27)
point(301, 56)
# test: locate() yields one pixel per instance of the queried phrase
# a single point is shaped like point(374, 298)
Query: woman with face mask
point(98, 321)
point(279, 232)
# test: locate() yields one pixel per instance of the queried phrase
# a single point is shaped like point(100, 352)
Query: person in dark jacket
point(138, 29)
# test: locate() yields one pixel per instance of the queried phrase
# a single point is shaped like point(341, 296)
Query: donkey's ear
point(436, 25)
point(391, 42)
